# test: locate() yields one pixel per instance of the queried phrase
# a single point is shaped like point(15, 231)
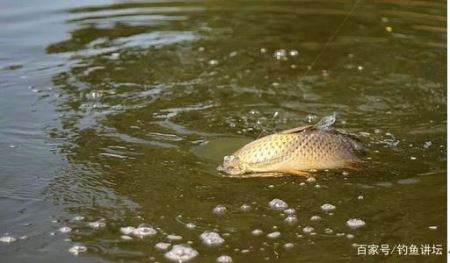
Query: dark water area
point(117, 113)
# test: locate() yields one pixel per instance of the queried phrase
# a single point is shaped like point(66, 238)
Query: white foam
point(181, 253)
point(190, 225)
point(162, 246)
point(289, 211)
point(174, 237)
point(7, 239)
point(97, 224)
point(291, 219)
point(65, 229)
point(316, 218)
point(211, 238)
point(245, 208)
point(278, 204)
point(143, 231)
point(77, 249)
point(288, 245)
point(219, 210)
point(355, 223)
point(328, 207)
point(224, 259)
point(308, 229)
point(127, 230)
point(274, 235)
point(257, 232)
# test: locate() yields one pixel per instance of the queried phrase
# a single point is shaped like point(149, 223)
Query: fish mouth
point(220, 168)
point(229, 170)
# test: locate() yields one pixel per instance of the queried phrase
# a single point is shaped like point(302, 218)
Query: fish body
point(296, 151)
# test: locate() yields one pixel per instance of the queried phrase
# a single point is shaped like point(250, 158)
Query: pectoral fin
point(297, 172)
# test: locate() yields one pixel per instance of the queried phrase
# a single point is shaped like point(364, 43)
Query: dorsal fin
point(326, 122)
point(298, 129)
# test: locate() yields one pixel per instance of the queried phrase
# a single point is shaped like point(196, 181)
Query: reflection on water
point(147, 97)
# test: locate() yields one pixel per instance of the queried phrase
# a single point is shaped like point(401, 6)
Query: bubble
point(292, 219)
point(274, 235)
point(77, 249)
point(7, 239)
point(289, 211)
point(143, 231)
point(308, 229)
point(213, 62)
point(355, 223)
point(127, 230)
point(262, 50)
point(125, 237)
point(65, 229)
point(349, 236)
point(311, 180)
point(432, 227)
point(201, 49)
point(316, 218)
point(211, 238)
point(190, 225)
point(257, 232)
point(293, 53)
point(413, 158)
point(328, 231)
point(219, 210)
point(162, 246)
point(427, 144)
point(97, 224)
point(224, 259)
point(78, 218)
point(174, 237)
point(388, 29)
point(360, 197)
point(360, 67)
point(328, 207)
point(245, 251)
point(181, 253)
point(115, 56)
point(278, 204)
point(233, 54)
point(288, 246)
point(280, 54)
point(245, 208)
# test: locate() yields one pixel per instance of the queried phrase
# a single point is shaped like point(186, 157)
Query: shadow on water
point(157, 92)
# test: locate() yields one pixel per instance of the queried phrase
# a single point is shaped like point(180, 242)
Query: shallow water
point(116, 114)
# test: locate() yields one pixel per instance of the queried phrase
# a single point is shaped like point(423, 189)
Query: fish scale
point(296, 150)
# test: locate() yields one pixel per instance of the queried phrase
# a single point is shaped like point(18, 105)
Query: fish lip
point(220, 168)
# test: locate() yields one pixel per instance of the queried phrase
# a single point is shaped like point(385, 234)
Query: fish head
point(232, 165)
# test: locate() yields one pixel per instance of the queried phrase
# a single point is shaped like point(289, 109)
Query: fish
point(296, 151)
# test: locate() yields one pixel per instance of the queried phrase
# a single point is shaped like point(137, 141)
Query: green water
point(121, 111)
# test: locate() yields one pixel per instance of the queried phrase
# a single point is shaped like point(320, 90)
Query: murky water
point(114, 115)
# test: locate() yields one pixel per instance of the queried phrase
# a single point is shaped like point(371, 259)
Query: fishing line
point(331, 38)
point(323, 49)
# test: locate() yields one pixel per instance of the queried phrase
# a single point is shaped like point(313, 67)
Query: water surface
point(119, 111)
